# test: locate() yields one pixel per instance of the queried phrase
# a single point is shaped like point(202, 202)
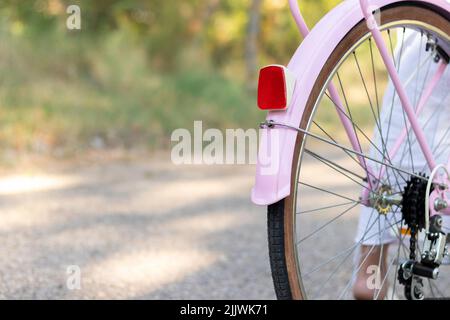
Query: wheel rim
point(306, 266)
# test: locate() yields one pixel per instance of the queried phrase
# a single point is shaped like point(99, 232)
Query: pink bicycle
point(355, 152)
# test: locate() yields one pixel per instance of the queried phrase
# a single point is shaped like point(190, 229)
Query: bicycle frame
point(405, 102)
point(406, 105)
point(271, 187)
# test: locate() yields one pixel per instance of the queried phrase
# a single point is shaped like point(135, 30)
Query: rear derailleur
point(412, 272)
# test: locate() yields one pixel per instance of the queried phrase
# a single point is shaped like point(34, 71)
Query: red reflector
point(275, 87)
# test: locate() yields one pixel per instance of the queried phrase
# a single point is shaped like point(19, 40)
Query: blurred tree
point(132, 55)
point(236, 32)
point(251, 49)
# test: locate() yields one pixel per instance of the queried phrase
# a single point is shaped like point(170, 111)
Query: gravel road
point(140, 229)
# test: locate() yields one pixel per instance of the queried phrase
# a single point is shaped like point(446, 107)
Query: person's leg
point(410, 157)
point(369, 278)
point(374, 232)
point(375, 235)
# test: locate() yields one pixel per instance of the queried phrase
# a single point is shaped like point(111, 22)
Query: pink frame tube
point(349, 128)
point(406, 104)
point(423, 100)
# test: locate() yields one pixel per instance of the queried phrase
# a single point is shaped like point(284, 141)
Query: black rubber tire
point(275, 225)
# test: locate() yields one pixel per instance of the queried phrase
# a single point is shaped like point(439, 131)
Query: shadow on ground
point(137, 230)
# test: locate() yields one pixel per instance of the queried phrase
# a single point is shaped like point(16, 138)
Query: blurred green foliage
point(135, 71)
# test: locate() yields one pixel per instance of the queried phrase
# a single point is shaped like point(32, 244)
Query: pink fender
point(273, 170)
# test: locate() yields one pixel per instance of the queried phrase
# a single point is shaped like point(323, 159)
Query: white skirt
point(374, 228)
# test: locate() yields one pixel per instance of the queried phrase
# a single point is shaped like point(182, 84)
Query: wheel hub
point(384, 198)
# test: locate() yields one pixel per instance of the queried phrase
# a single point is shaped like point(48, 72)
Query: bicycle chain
point(413, 204)
point(412, 257)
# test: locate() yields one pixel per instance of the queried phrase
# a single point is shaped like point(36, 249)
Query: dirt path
point(138, 229)
point(146, 229)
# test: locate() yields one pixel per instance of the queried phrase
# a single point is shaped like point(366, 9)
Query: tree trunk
point(210, 8)
point(251, 45)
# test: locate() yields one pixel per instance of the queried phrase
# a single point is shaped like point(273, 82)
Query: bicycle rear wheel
point(312, 243)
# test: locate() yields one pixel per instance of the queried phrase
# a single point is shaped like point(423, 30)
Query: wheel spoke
point(346, 250)
point(326, 224)
point(385, 153)
point(358, 268)
point(376, 179)
point(385, 276)
point(337, 168)
point(328, 191)
point(362, 262)
point(397, 267)
point(325, 208)
point(347, 149)
point(356, 129)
